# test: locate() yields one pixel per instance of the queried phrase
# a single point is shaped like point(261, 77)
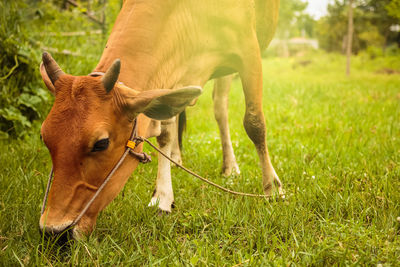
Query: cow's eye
point(101, 145)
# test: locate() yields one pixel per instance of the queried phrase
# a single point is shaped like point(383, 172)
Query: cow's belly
point(201, 68)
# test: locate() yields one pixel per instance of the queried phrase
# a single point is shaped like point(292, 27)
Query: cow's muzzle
point(60, 234)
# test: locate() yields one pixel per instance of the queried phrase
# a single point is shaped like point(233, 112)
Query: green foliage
point(334, 142)
point(393, 9)
point(293, 21)
point(374, 52)
point(372, 36)
point(306, 26)
point(392, 50)
point(372, 21)
point(27, 28)
point(21, 98)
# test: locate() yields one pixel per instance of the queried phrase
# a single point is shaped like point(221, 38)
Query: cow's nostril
point(63, 237)
point(58, 235)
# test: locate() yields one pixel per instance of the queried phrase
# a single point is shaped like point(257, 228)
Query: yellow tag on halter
point(131, 144)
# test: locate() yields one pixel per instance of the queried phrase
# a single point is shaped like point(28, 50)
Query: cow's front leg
point(163, 195)
point(220, 98)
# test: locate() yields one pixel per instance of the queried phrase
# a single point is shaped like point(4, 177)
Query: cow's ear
point(160, 104)
point(46, 79)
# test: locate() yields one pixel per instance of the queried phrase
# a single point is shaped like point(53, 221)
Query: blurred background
point(75, 32)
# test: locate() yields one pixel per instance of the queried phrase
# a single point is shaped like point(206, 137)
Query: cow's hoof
point(282, 193)
point(278, 196)
point(161, 212)
point(230, 169)
point(177, 158)
point(162, 204)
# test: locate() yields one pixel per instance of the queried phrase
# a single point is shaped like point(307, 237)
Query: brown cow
point(167, 44)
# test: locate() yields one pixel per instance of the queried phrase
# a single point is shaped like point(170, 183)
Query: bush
point(392, 50)
point(21, 97)
point(374, 52)
point(27, 28)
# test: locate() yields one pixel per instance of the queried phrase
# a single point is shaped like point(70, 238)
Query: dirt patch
point(302, 63)
point(388, 71)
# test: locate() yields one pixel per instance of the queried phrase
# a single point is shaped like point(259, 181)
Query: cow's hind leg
point(163, 195)
point(176, 149)
point(254, 122)
point(220, 97)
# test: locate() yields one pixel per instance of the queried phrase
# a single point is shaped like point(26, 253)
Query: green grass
point(334, 141)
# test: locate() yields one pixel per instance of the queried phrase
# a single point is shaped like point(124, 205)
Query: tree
point(293, 21)
point(372, 22)
point(349, 37)
point(383, 14)
point(331, 29)
point(290, 13)
point(393, 9)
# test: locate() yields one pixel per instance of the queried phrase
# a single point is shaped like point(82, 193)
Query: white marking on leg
point(164, 196)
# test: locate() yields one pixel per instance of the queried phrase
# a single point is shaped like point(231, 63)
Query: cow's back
point(167, 43)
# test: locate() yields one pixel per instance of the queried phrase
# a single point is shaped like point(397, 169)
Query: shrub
point(21, 96)
point(374, 52)
point(27, 28)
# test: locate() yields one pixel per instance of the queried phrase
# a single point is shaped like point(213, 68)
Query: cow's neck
point(149, 42)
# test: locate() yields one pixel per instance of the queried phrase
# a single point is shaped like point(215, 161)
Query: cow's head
point(86, 132)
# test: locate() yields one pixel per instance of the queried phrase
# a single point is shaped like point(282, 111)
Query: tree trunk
point(349, 37)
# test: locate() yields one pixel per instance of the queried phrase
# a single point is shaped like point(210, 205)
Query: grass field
point(334, 141)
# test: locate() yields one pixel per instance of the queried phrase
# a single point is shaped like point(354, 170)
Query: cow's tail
point(181, 127)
